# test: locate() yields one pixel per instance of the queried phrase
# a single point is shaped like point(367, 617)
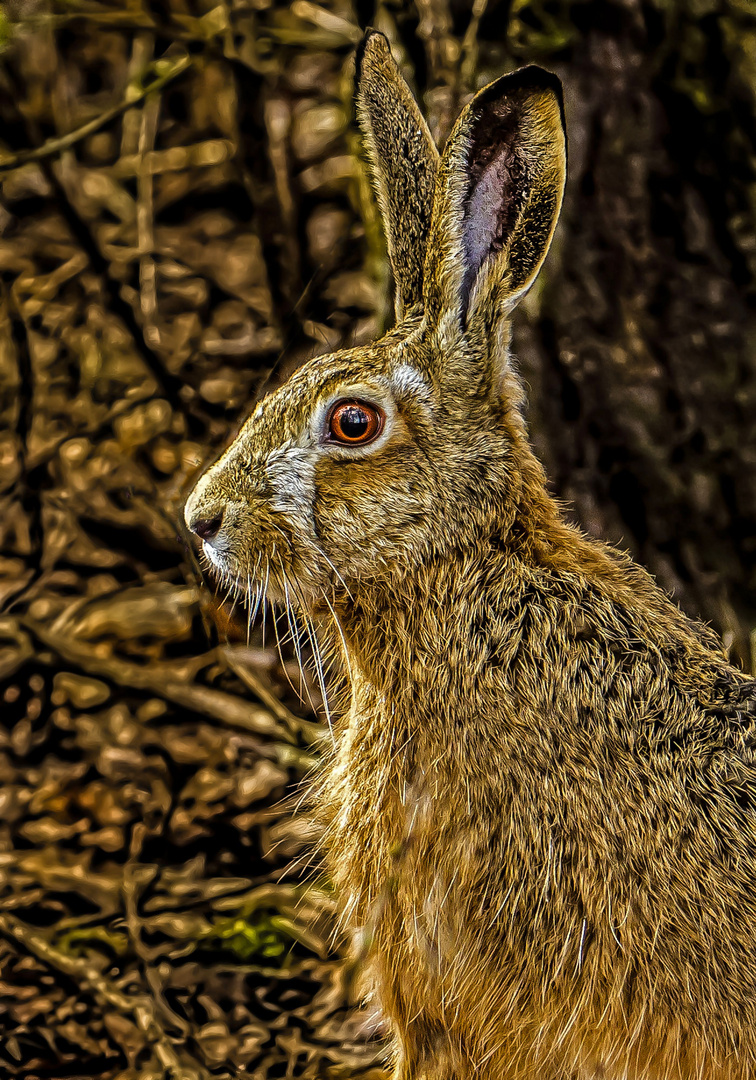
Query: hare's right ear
point(403, 161)
point(500, 188)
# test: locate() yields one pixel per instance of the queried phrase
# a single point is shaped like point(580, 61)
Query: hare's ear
point(498, 197)
point(403, 160)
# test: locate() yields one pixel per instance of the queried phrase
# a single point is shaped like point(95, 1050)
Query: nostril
point(207, 528)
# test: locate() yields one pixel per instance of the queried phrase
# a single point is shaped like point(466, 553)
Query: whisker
point(258, 601)
point(292, 618)
point(249, 606)
point(235, 589)
point(251, 615)
point(338, 575)
point(280, 532)
point(341, 634)
point(276, 634)
point(280, 650)
point(318, 670)
point(317, 661)
point(265, 597)
point(226, 578)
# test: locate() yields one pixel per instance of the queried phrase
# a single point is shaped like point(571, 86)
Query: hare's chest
point(391, 830)
point(372, 793)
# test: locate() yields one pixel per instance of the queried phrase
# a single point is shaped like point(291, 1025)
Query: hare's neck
point(421, 650)
point(427, 645)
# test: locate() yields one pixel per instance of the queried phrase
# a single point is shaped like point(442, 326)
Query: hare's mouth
point(272, 566)
point(267, 582)
point(215, 557)
point(250, 578)
point(225, 569)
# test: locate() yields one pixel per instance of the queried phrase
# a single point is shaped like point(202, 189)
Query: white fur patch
point(407, 379)
point(213, 555)
point(291, 473)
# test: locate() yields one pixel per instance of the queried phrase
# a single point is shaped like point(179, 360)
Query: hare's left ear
point(403, 161)
point(498, 197)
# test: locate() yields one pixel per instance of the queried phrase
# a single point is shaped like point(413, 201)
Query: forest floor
point(161, 909)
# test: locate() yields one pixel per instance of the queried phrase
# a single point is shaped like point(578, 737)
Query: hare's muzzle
point(205, 510)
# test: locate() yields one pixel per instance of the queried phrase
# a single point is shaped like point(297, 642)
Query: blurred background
point(184, 217)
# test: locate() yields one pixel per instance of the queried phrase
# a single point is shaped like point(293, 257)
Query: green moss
point(267, 936)
point(6, 30)
point(79, 941)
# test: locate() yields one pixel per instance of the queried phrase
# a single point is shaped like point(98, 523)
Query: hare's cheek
point(291, 479)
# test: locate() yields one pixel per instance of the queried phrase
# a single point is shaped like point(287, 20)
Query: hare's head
point(368, 460)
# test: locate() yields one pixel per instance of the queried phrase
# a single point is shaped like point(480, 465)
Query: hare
point(541, 805)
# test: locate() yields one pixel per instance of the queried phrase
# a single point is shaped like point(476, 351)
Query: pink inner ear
point(483, 224)
point(498, 185)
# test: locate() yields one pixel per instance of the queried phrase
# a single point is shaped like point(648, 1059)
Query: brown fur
point(404, 164)
point(541, 804)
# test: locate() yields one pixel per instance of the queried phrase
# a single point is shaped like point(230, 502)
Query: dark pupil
point(353, 421)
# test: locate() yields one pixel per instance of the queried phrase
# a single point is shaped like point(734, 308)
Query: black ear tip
point(530, 79)
point(538, 77)
point(547, 80)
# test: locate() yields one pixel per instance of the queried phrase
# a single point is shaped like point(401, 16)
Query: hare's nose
point(207, 528)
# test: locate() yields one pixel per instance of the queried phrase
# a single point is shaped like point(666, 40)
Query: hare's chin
point(214, 556)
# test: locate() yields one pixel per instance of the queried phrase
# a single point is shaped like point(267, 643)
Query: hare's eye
point(354, 423)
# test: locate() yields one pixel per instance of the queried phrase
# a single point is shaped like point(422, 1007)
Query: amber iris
point(353, 423)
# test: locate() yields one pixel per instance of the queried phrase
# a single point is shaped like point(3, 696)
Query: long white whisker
point(235, 589)
point(225, 578)
point(265, 597)
point(258, 600)
point(341, 635)
point(250, 616)
point(274, 620)
point(274, 616)
point(317, 661)
point(248, 605)
point(277, 636)
point(338, 575)
point(292, 625)
point(292, 617)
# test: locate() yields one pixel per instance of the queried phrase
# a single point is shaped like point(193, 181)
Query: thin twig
point(145, 223)
point(135, 878)
point(56, 146)
point(159, 681)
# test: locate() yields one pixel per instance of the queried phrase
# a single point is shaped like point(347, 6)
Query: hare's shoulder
point(617, 658)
